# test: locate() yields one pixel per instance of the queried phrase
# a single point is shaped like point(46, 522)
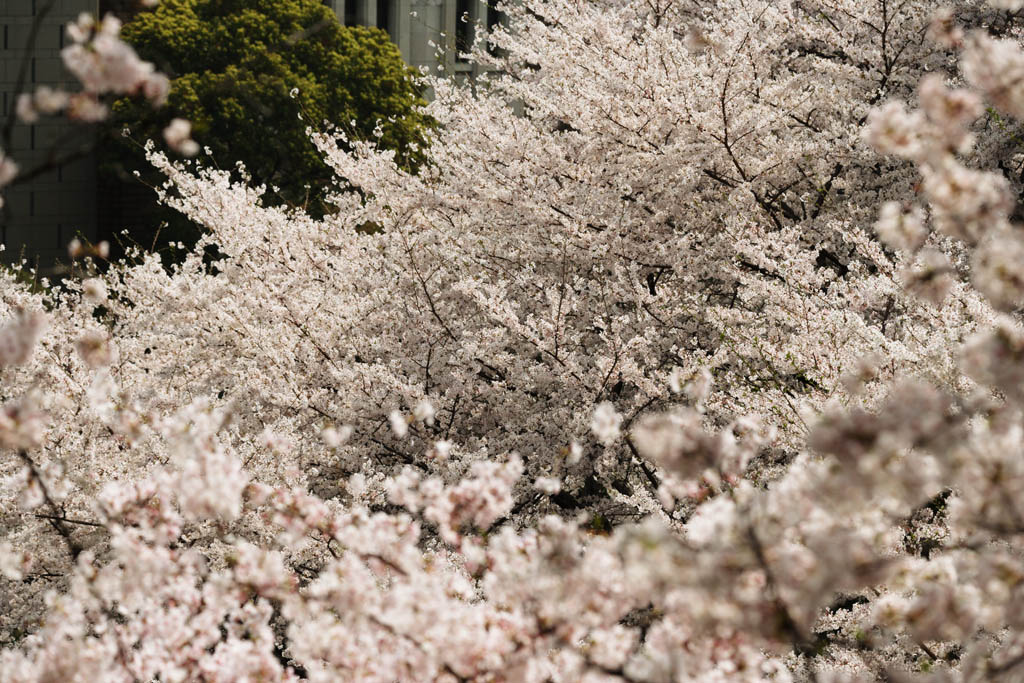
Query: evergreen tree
point(252, 75)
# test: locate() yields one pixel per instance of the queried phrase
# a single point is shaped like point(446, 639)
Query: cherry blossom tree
point(694, 354)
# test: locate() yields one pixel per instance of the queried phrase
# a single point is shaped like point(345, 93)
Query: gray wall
point(41, 216)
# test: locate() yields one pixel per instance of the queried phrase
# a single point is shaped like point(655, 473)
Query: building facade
point(419, 27)
point(45, 211)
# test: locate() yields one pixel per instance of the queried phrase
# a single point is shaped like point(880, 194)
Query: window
point(384, 15)
point(494, 18)
point(465, 19)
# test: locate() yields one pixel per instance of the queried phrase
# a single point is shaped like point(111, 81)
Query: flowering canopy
point(693, 355)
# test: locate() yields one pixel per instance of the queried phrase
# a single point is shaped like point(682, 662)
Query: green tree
point(234, 65)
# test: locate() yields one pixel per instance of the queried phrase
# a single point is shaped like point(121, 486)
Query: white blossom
point(178, 137)
point(399, 423)
point(605, 423)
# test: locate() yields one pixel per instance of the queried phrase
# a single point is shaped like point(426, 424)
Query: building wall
point(418, 26)
point(41, 216)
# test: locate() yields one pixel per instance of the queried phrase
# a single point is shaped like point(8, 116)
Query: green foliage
point(233, 65)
